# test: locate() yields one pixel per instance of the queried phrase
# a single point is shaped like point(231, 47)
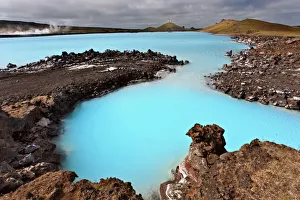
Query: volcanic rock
point(10, 66)
point(59, 185)
point(259, 170)
point(269, 73)
point(35, 97)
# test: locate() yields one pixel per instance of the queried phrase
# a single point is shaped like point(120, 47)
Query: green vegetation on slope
point(166, 28)
point(150, 29)
point(170, 27)
point(252, 27)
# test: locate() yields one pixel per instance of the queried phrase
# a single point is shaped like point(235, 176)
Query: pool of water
point(138, 133)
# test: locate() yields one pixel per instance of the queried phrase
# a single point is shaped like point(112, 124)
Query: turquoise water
point(138, 133)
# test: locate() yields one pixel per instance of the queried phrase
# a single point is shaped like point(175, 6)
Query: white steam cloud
point(18, 30)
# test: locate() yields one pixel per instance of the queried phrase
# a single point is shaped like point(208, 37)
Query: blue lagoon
point(137, 133)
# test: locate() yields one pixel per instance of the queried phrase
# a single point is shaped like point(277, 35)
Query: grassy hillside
point(170, 27)
point(166, 28)
point(224, 26)
point(252, 27)
point(150, 29)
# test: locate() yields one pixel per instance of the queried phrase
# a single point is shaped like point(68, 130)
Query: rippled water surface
point(138, 132)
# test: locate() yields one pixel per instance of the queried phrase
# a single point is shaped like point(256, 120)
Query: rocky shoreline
point(59, 185)
point(35, 97)
point(259, 170)
point(267, 72)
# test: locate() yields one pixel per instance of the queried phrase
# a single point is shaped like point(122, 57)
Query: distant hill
point(6, 25)
point(20, 28)
point(252, 27)
point(150, 29)
point(168, 27)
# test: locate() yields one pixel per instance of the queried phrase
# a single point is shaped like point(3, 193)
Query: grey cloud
point(142, 13)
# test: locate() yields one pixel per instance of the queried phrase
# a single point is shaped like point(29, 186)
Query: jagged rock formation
point(59, 186)
point(259, 170)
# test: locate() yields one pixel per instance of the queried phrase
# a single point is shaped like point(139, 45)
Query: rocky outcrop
point(10, 66)
point(11, 178)
point(35, 97)
point(59, 186)
point(268, 73)
point(259, 170)
point(91, 58)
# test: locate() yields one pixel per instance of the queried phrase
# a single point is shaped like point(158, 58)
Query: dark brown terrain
point(259, 170)
point(269, 73)
point(57, 72)
point(35, 97)
point(59, 185)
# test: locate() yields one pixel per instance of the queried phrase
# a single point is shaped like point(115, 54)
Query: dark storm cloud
point(141, 13)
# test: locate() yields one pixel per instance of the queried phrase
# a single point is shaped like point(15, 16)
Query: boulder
point(29, 149)
point(6, 168)
point(28, 159)
point(44, 122)
point(32, 117)
point(228, 67)
point(186, 62)
point(210, 137)
point(44, 145)
point(9, 184)
point(292, 40)
point(229, 53)
point(64, 54)
point(263, 100)
point(27, 174)
point(252, 98)
point(42, 168)
point(11, 66)
point(293, 103)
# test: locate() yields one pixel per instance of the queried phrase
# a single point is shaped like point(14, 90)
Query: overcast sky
point(143, 13)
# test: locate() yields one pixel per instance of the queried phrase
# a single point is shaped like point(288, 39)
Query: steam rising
point(19, 30)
